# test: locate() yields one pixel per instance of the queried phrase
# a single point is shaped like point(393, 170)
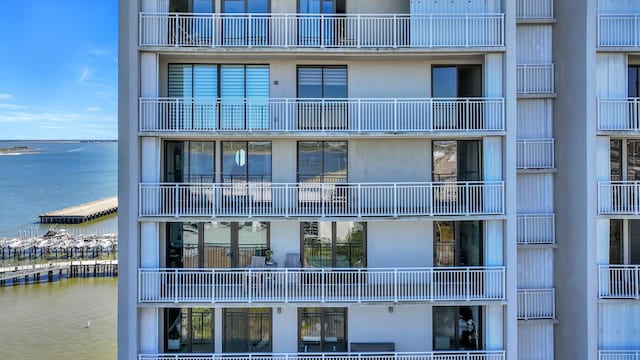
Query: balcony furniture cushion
point(258, 261)
point(380, 347)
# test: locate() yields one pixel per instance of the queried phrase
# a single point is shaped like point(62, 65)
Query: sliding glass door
point(239, 29)
point(322, 330)
point(458, 243)
point(322, 91)
point(215, 244)
point(247, 330)
point(189, 330)
point(320, 23)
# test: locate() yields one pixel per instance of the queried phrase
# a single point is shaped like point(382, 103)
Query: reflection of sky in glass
point(444, 82)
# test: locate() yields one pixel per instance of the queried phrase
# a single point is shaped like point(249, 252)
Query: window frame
point(234, 242)
point(247, 171)
point(189, 344)
point(246, 312)
point(322, 162)
point(323, 311)
point(334, 243)
point(479, 324)
point(457, 67)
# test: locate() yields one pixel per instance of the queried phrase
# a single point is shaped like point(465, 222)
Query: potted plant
point(268, 255)
point(173, 342)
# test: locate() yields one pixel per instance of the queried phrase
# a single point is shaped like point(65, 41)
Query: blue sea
point(53, 176)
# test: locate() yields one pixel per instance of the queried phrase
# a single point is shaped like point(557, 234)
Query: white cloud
point(93, 109)
point(5, 96)
point(11, 107)
point(73, 119)
point(96, 51)
point(86, 73)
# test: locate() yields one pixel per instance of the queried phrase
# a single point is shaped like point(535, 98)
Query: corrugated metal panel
point(454, 6)
point(535, 118)
point(534, 44)
point(618, 6)
point(535, 268)
point(619, 325)
point(611, 75)
point(535, 193)
point(535, 340)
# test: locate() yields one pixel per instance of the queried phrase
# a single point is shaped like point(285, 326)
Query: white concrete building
point(342, 178)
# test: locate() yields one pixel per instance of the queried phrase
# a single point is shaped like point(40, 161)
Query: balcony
point(345, 116)
point(264, 285)
point(534, 9)
point(320, 31)
point(619, 114)
point(535, 79)
point(619, 30)
point(619, 281)
point(619, 198)
point(536, 229)
point(619, 355)
point(535, 154)
point(536, 304)
point(349, 200)
point(436, 355)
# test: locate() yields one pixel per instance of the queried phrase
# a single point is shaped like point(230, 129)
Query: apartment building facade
point(315, 178)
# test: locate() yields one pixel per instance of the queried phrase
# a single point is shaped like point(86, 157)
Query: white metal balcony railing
point(619, 198)
point(619, 114)
point(619, 30)
point(322, 199)
point(436, 355)
point(619, 355)
point(320, 285)
point(619, 281)
point(535, 153)
point(313, 115)
point(321, 30)
point(535, 78)
point(536, 304)
point(536, 229)
point(534, 9)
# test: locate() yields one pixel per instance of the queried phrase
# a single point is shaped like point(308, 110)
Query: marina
point(81, 213)
point(37, 273)
point(59, 245)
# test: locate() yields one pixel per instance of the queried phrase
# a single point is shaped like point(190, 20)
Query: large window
point(322, 161)
point(191, 6)
point(215, 244)
point(624, 241)
point(322, 82)
point(333, 244)
point(456, 81)
point(244, 161)
point(625, 159)
point(457, 328)
point(322, 329)
point(459, 160)
point(189, 330)
point(634, 81)
point(241, 30)
point(458, 243)
point(247, 330)
point(243, 92)
point(189, 161)
point(314, 30)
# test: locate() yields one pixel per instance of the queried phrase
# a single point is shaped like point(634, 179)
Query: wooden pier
point(81, 213)
point(51, 272)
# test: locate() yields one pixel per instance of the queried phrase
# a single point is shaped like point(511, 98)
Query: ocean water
point(49, 320)
point(54, 176)
point(69, 319)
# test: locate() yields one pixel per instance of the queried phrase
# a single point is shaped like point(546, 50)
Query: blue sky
point(59, 69)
